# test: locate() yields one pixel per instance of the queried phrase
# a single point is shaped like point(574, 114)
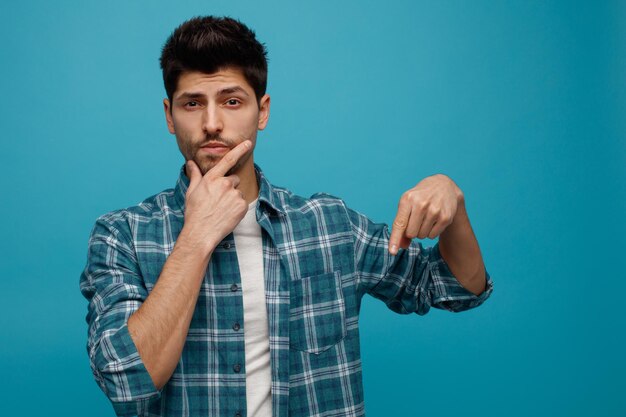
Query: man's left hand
point(425, 210)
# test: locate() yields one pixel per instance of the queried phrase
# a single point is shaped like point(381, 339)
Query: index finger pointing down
point(399, 226)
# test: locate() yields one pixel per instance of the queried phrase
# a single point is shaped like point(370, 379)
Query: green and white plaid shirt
point(320, 258)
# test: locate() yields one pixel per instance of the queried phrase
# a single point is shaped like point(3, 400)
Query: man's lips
point(215, 145)
point(215, 148)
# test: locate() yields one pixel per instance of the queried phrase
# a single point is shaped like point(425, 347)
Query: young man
point(229, 296)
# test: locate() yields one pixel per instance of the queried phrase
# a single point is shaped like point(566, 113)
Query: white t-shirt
point(249, 248)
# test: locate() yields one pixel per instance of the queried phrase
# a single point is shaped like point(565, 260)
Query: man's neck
point(248, 183)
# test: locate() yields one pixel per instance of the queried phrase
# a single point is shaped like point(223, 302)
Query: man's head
point(215, 76)
point(208, 44)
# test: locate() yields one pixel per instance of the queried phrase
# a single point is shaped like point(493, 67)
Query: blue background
point(522, 103)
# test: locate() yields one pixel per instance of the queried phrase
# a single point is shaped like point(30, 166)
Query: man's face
point(213, 113)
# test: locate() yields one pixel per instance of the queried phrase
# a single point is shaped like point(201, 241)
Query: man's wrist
point(200, 244)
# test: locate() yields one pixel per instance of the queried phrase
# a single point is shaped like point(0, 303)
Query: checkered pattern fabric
point(320, 259)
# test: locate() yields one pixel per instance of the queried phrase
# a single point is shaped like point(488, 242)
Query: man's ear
point(264, 111)
point(167, 108)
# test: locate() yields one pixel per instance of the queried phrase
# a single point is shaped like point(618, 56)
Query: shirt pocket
point(317, 316)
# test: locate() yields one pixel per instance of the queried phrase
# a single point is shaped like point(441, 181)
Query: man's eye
point(233, 102)
point(191, 104)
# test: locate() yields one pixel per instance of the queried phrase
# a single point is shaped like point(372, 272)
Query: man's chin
point(206, 164)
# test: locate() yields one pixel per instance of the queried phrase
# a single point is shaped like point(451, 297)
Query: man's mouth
point(215, 148)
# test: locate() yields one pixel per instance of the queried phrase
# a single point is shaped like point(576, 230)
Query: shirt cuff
point(449, 294)
point(122, 375)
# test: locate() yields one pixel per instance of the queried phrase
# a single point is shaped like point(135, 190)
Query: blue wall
point(521, 103)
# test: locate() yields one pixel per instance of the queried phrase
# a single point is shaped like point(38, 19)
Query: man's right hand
point(213, 204)
point(213, 208)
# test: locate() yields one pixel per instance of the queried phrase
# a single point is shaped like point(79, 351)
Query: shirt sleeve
point(412, 281)
point(112, 283)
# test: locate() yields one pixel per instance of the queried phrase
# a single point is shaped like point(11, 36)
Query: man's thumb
point(194, 174)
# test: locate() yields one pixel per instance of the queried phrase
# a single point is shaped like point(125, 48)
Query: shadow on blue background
point(521, 103)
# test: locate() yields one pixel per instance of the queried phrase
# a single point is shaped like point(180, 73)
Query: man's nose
point(212, 122)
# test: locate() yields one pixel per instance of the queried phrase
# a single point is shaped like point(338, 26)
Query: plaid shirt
point(320, 258)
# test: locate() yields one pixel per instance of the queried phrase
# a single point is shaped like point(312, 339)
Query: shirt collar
point(267, 193)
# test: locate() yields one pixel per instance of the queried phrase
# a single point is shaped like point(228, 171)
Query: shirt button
point(226, 245)
point(234, 287)
point(237, 368)
point(236, 326)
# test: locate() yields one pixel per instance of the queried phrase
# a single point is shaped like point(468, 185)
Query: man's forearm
point(159, 327)
point(459, 248)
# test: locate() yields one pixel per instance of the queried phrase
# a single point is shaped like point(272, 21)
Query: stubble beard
point(191, 150)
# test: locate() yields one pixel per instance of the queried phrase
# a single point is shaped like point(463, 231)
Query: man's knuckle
point(399, 222)
point(413, 198)
point(223, 183)
point(230, 159)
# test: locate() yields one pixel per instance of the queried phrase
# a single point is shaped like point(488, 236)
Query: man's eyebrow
point(192, 95)
point(232, 90)
point(189, 95)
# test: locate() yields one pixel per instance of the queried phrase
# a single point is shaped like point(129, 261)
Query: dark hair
point(209, 44)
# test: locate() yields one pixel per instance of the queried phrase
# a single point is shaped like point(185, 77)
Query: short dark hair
point(209, 44)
